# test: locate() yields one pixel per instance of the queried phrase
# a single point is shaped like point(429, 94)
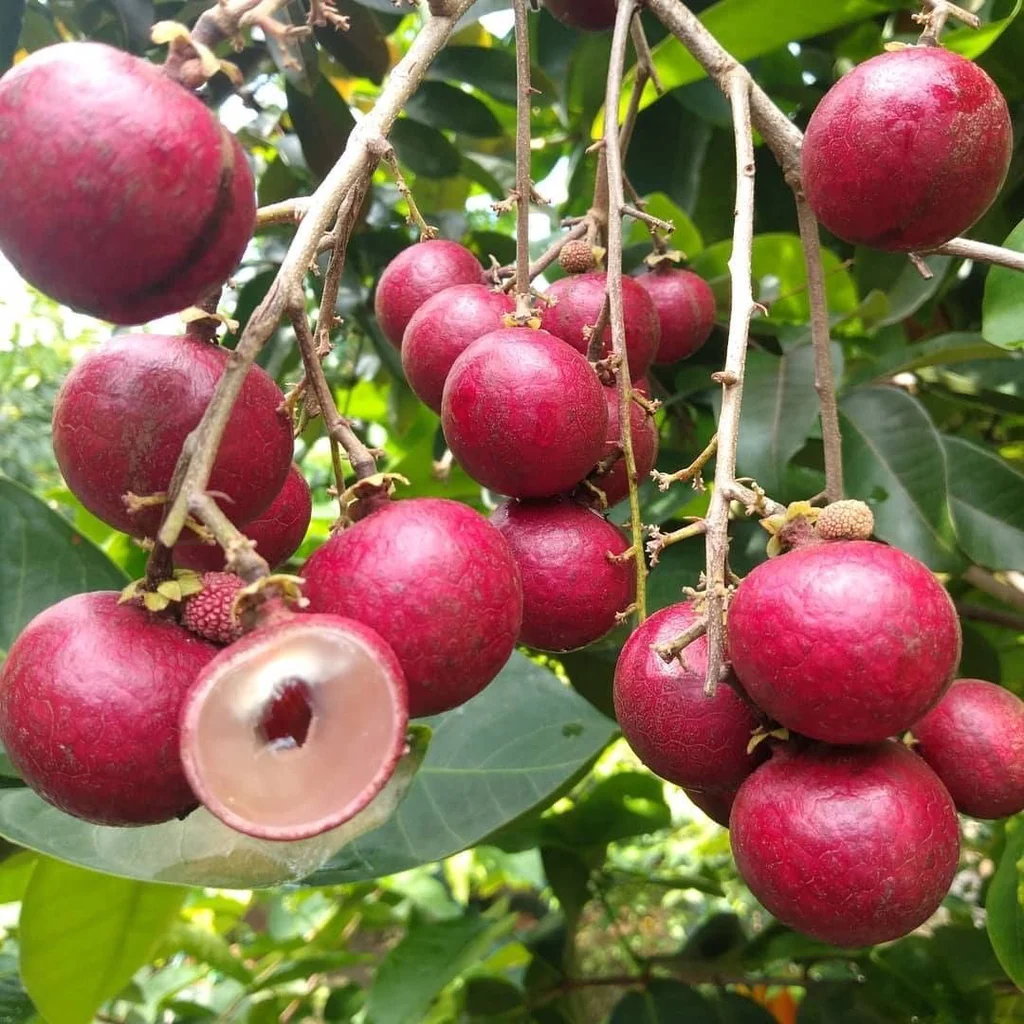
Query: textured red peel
point(686, 311)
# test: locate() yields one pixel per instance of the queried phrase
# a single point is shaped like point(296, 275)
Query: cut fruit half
point(296, 728)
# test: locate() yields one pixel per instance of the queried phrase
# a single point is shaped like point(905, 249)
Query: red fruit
point(295, 729)
point(615, 481)
point(135, 202)
point(588, 15)
point(90, 696)
point(124, 412)
point(417, 274)
point(579, 300)
point(846, 642)
point(442, 329)
point(210, 613)
point(717, 806)
point(572, 590)
point(974, 741)
point(851, 846)
point(908, 150)
point(696, 742)
point(686, 311)
point(524, 413)
point(438, 583)
point(278, 532)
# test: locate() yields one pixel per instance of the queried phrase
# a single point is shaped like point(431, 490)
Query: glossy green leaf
point(1002, 320)
point(972, 43)
point(491, 760)
point(431, 956)
point(894, 460)
point(686, 238)
point(945, 350)
point(1005, 903)
point(83, 936)
point(732, 22)
point(489, 69)
point(197, 851)
point(15, 1005)
point(444, 106)
point(664, 1002)
point(780, 409)
point(362, 47)
point(43, 560)
point(780, 276)
point(424, 150)
point(10, 28)
point(906, 290)
point(323, 123)
point(987, 501)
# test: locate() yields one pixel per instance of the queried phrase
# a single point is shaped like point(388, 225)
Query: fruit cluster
point(840, 829)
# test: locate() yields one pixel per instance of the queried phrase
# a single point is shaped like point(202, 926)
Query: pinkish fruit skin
point(572, 590)
point(524, 414)
point(974, 741)
point(697, 742)
point(124, 412)
point(845, 642)
point(195, 754)
point(103, 126)
point(587, 15)
point(438, 582)
point(717, 806)
point(851, 846)
point(686, 311)
point(278, 532)
point(442, 329)
point(209, 614)
point(417, 274)
point(908, 150)
point(615, 483)
point(90, 695)
point(579, 302)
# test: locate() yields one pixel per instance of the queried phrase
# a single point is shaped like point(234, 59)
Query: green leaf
point(945, 350)
point(686, 238)
point(84, 935)
point(490, 70)
point(15, 1005)
point(444, 106)
point(780, 276)
point(430, 957)
point(1002, 320)
point(491, 760)
point(750, 28)
point(894, 461)
point(424, 150)
point(1004, 904)
point(780, 408)
point(199, 850)
point(904, 287)
point(987, 501)
point(664, 1002)
point(972, 43)
point(207, 947)
point(42, 560)
point(488, 996)
point(10, 29)
point(323, 123)
point(362, 47)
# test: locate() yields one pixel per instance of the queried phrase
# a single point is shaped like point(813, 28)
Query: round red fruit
point(123, 413)
point(524, 413)
point(442, 329)
point(696, 742)
point(417, 274)
point(614, 480)
point(846, 642)
point(135, 201)
point(974, 741)
point(908, 150)
point(578, 301)
point(850, 846)
point(717, 806)
point(278, 532)
point(90, 696)
point(438, 582)
point(587, 15)
point(686, 311)
point(572, 587)
point(296, 728)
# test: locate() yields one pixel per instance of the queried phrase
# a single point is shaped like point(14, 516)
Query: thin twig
point(821, 341)
point(548, 257)
point(692, 473)
point(676, 647)
point(935, 17)
point(660, 541)
point(239, 552)
point(995, 587)
point(731, 378)
point(981, 252)
point(644, 60)
point(524, 182)
point(995, 616)
point(616, 201)
point(290, 211)
point(353, 167)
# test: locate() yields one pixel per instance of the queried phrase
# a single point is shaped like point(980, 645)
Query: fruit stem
point(616, 203)
point(693, 473)
point(524, 181)
point(935, 16)
point(390, 157)
point(240, 552)
point(353, 169)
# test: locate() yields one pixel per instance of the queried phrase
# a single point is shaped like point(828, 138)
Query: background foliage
point(534, 872)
